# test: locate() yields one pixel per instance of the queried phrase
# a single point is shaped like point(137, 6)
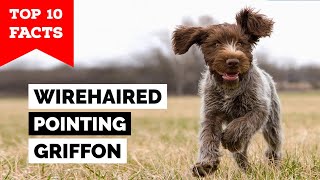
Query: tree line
point(157, 65)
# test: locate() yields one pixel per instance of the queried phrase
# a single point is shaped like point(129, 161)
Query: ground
point(163, 145)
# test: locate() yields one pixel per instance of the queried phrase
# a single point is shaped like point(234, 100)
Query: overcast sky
point(118, 28)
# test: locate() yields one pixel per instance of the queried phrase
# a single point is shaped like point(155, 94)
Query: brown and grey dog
point(235, 92)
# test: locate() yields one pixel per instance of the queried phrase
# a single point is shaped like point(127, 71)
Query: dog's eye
point(239, 44)
point(216, 44)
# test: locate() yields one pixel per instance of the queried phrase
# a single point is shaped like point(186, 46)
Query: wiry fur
point(244, 105)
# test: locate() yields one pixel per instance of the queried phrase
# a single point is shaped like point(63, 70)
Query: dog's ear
point(254, 24)
point(184, 37)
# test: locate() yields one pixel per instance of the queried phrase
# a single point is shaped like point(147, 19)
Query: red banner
point(46, 25)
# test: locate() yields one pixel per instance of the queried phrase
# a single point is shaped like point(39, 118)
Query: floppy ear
point(184, 37)
point(254, 24)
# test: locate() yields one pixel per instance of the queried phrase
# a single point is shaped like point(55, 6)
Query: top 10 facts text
point(37, 24)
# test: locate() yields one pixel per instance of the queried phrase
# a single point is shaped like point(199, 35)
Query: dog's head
point(227, 48)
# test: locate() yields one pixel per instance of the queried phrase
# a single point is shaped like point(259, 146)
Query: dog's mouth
point(230, 76)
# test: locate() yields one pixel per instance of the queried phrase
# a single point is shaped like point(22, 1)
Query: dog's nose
point(232, 62)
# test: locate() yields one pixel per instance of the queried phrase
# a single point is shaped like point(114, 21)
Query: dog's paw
point(202, 169)
point(232, 143)
point(273, 157)
point(236, 135)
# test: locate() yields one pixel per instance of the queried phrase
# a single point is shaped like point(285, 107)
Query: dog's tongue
point(230, 77)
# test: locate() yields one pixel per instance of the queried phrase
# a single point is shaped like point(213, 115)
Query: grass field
point(163, 145)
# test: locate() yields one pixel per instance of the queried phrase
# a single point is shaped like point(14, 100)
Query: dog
point(235, 92)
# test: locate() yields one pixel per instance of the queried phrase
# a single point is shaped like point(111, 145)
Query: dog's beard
point(231, 85)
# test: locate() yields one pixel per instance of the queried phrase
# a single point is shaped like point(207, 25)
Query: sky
point(116, 29)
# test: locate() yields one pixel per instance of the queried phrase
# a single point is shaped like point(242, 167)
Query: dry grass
point(163, 145)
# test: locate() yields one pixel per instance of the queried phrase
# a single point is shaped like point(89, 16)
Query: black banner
point(79, 123)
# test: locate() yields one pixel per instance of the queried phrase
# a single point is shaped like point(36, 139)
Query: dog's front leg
point(210, 137)
point(239, 131)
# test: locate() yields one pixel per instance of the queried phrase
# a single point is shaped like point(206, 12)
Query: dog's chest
point(234, 107)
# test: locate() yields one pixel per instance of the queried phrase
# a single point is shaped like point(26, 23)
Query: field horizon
point(164, 144)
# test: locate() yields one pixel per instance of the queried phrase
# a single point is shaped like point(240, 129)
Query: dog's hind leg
point(241, 158)
point(272, 133)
